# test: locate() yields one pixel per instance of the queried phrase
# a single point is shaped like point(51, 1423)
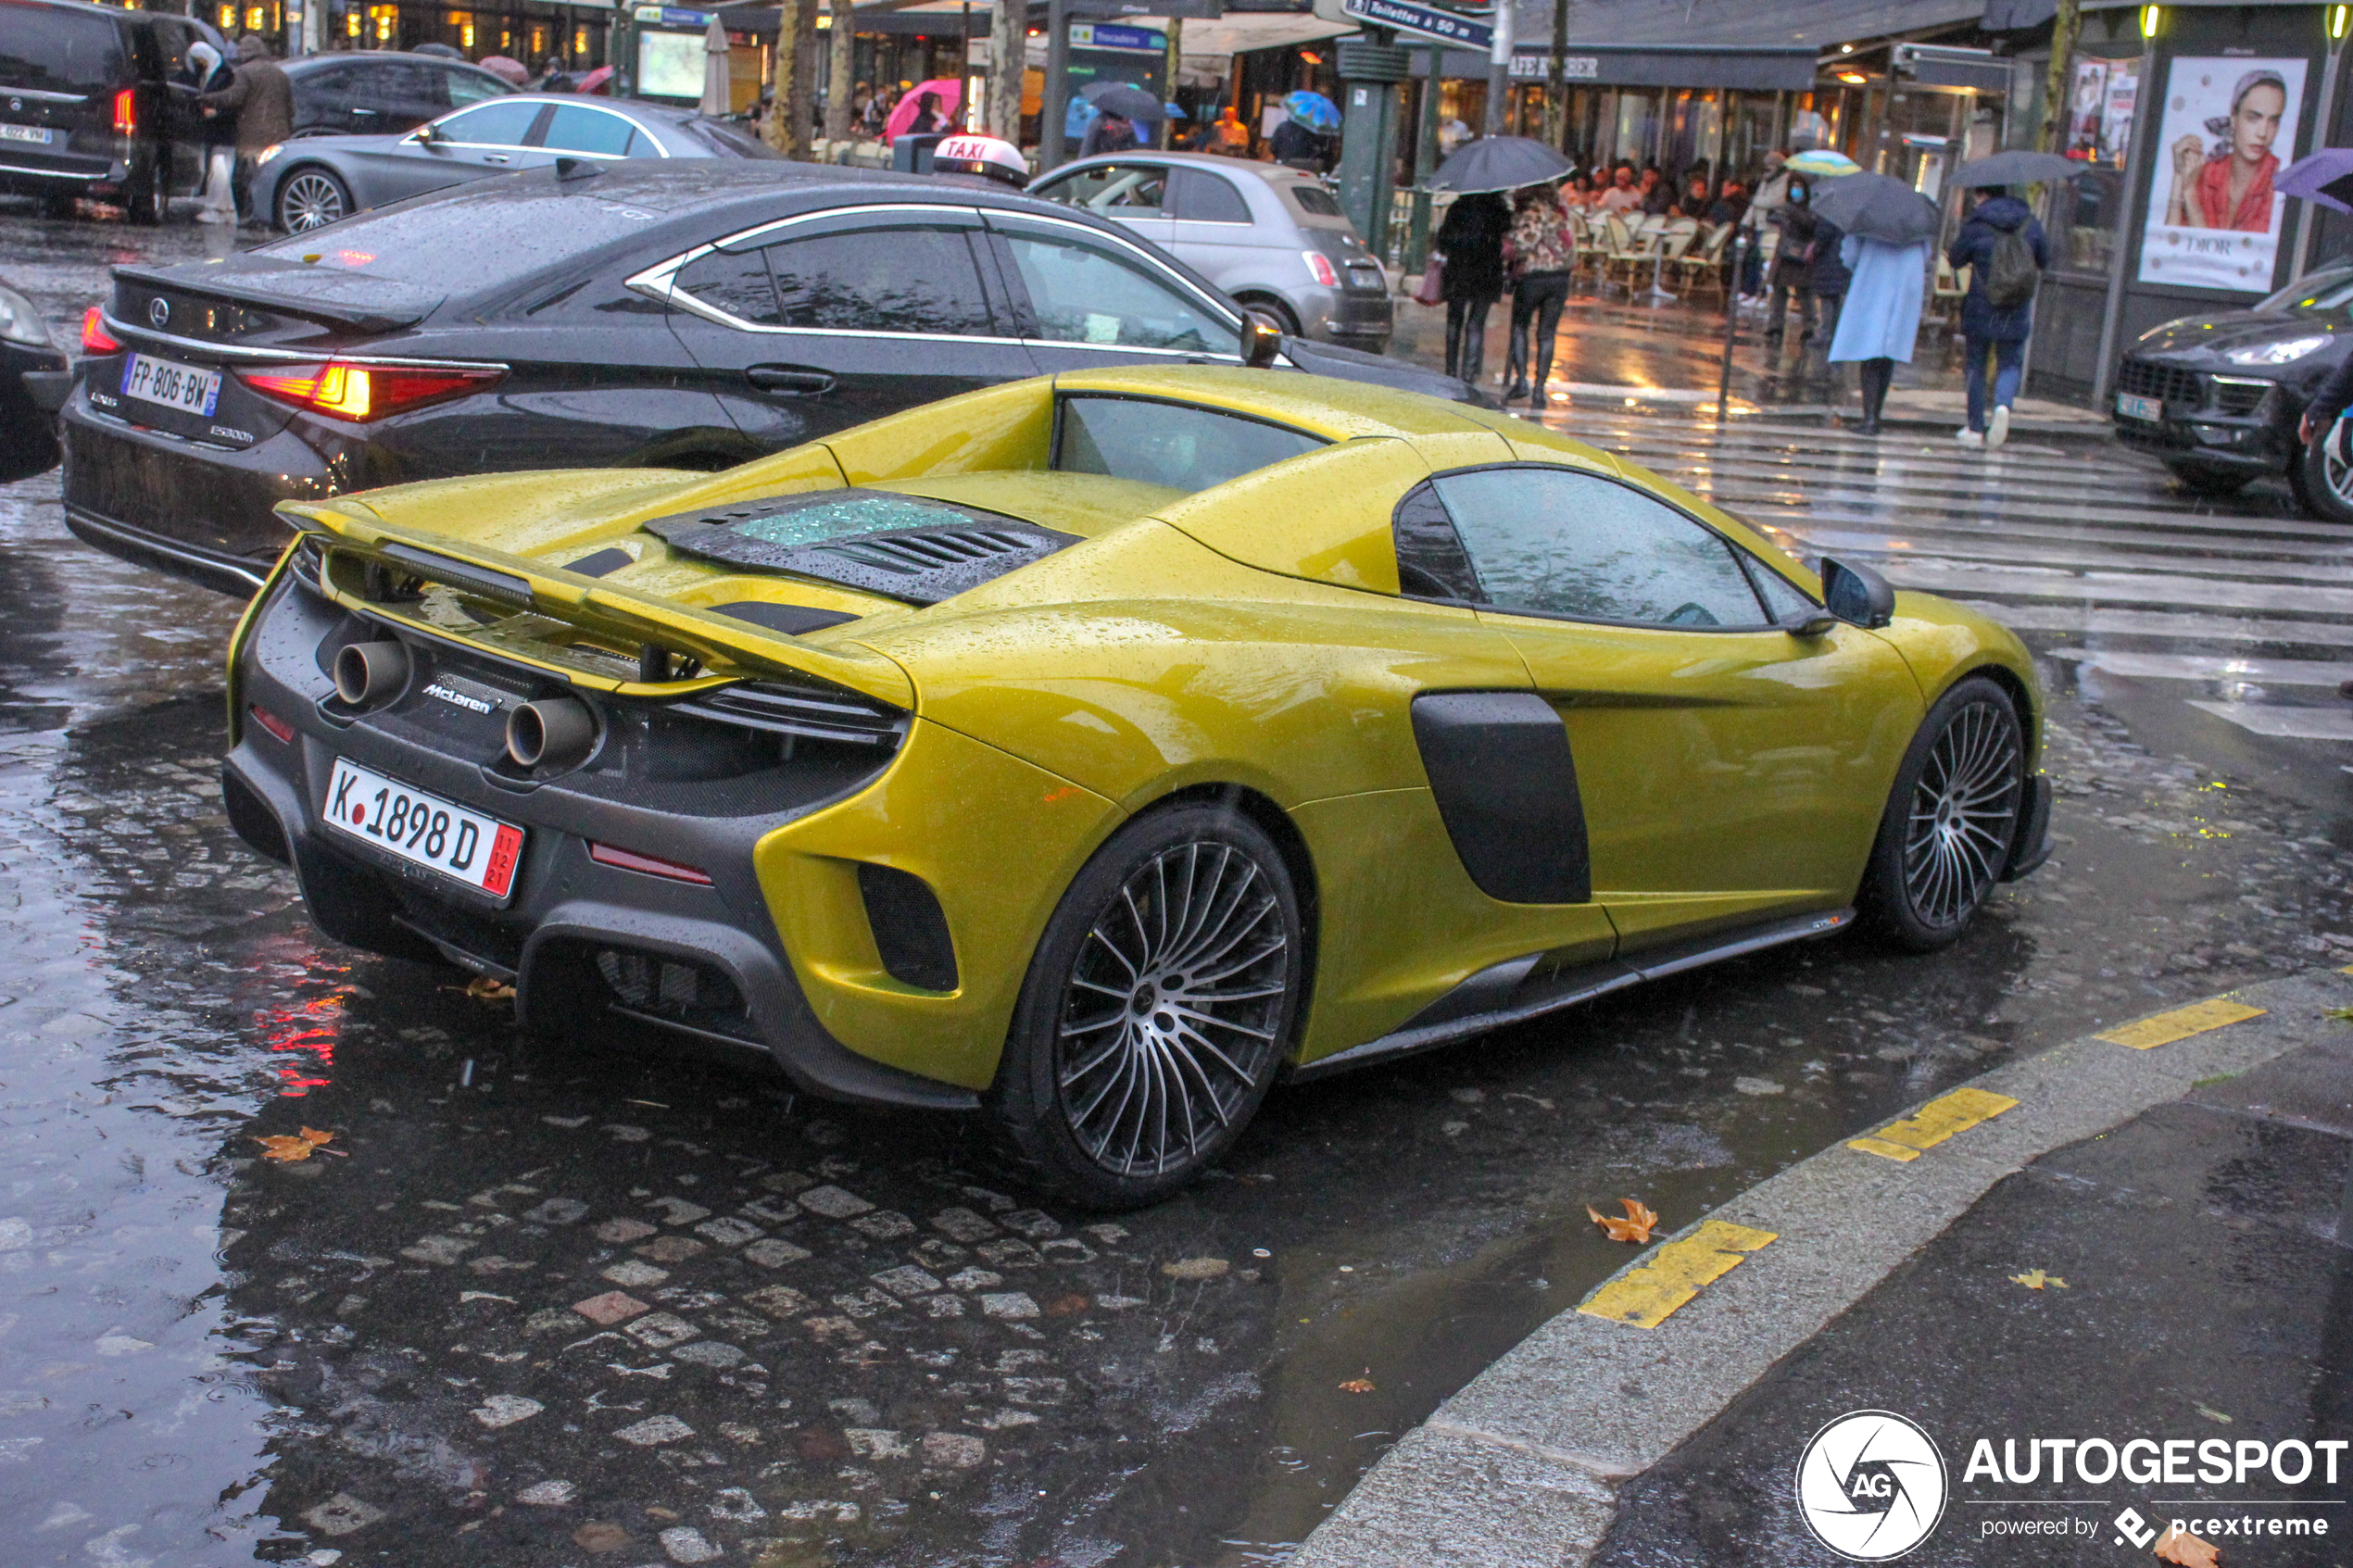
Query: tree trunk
point(2065, 29)
point(1008, 56)
point(781, 66)
point(1556, 79)
point(804, 85)
point(840, 90)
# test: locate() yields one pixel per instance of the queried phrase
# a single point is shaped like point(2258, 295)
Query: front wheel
point(312, 198)
point(2321, 475)
point(1157, 1008)
point(1950, 820)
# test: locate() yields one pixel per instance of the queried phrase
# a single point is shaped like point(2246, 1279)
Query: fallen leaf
point(299, 1146)
point(482, 989)
point(1196, 1268)
point(1359, 1385)
point(1636, 1226)
point(2177, 1546)
point(2035, 1279)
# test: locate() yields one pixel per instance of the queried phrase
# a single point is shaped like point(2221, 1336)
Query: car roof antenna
point(578, 167)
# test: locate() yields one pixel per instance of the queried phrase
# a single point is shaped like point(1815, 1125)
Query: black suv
point(368, 92)
point(89, 106)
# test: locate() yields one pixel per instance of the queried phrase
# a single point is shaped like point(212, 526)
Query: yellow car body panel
point(1250, 636)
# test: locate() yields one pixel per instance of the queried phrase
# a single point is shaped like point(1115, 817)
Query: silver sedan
point(1272, 237)
point(314, 180)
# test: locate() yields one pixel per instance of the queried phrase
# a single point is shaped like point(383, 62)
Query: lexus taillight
point(96, 338)
point(1321, 266)
point(126, 112)
point(358, 393)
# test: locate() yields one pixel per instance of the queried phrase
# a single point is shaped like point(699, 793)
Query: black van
point(89, 105)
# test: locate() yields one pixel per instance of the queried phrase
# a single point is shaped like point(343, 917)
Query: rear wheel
point(311, 197)
point(1156, 1010)
point(1950, 818)
point(145, 197)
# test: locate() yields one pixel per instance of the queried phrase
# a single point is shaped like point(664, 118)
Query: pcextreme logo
point(1871, 1485)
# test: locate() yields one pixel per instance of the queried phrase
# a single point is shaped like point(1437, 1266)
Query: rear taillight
point(1320, 266)
point(651, 865)
point(126, 112)
point(96, 338)
point(359, 393)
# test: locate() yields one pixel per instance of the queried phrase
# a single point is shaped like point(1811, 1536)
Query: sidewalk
point(2187, 1194)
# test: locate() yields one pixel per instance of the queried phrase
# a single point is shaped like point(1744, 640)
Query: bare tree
point(1556, 79)
point(843, 37)
point(782, 61)
point(796, 142)
point(1008, 56)
point(2065, 29)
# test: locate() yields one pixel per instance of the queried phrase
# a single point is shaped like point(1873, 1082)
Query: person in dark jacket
point(1827, 279)
point(1792, 259)
point(260, 100)
point(1472, 241)
point(1986, 328)
point(1298, 147)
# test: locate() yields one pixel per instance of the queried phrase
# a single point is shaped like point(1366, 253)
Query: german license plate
point(423, 829)
point(37, 135)
point(175, 386)
point(2135, 407)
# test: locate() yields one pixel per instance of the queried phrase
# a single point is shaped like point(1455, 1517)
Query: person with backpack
point(2005, 251)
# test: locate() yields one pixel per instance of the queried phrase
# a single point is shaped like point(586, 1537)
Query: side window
point(415, 86)
point(1555, 542)
point(1782, 601)
point(1199, 196)
point(492, 125)
point(736, 283)
point(1431, 560)
point(893, 280)
point(473, 86)
point(1081, 292)
point(1127, 189)
point(1185, 449)
point(576, 129)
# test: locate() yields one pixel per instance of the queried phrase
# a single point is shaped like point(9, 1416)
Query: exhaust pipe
point(552, 733)
point(368, 673)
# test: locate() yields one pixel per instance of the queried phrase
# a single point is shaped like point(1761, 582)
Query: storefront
point(2164, 101)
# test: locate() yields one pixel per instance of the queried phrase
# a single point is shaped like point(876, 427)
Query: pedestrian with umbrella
point(1471, 247)
point(1793, 261)
point(2005, 251)
point(1539, 252)
point(1120, 108)
point(1300, 140)
point(1889, 228)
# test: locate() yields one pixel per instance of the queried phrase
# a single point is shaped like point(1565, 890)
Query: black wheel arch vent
point(911, 929)
point(921, 563)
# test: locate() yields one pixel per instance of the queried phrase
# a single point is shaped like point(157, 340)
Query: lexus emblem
point(15, 106)
point(158, 312)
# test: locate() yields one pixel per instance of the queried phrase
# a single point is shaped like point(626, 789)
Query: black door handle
point(801, 383)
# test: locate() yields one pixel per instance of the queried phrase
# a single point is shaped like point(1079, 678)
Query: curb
point(1519, 1466)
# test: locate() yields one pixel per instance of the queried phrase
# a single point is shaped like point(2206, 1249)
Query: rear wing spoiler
point(356, 559)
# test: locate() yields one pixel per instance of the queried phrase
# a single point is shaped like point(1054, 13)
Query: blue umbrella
point(1312, 109)
point(2325, 176)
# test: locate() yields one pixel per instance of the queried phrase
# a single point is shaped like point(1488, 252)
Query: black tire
point(1285, 319)
point(2209, 481)
point(311, 196)
point(1951, 819)
point(2323, 477)
point(59, 205)
point(145, 197)
point(1116, 1101)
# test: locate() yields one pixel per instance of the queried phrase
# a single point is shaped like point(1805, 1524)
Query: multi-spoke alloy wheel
point(1157, 1009)
point(1951, 819)
point(310, 200)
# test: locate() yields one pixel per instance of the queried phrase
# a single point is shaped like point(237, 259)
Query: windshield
point(2329, 291)
point(59, 51)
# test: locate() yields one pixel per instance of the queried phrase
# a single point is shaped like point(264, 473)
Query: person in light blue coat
point(1881, 318)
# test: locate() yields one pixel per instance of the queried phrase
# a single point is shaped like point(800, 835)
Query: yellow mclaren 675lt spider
point(1093, 751)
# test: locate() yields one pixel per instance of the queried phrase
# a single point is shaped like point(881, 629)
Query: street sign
point(1425, 23)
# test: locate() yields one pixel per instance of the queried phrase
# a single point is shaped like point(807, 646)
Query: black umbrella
point(1876, 208)
point(1125, 101)
point(2017, 168)
point(1500, 163)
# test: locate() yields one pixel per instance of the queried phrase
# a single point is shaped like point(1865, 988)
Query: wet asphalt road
point(542, 1307)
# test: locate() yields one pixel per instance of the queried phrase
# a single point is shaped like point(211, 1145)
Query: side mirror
point(1262, 340)
point(428, 133)
point(1856, 594)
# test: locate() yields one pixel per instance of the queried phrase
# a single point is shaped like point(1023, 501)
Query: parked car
point(28, 431)
point(2217, 396)
point(1274, 238)
point(317, 180)
point(1093, 749)
point(606, 315)
point(89, 106)
point(376, 91)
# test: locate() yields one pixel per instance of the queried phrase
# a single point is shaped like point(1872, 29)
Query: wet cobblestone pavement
point(530, 1306)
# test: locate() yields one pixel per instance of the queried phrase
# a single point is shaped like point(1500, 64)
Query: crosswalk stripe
point(2209, 667)
point(2291, 723)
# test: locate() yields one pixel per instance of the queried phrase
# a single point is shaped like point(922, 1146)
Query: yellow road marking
point(1932, 1123)
point(2180, 1024)
point(1674, 1274)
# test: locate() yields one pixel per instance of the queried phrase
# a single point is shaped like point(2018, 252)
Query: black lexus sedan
point(600, 315)
point(2217, 397)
